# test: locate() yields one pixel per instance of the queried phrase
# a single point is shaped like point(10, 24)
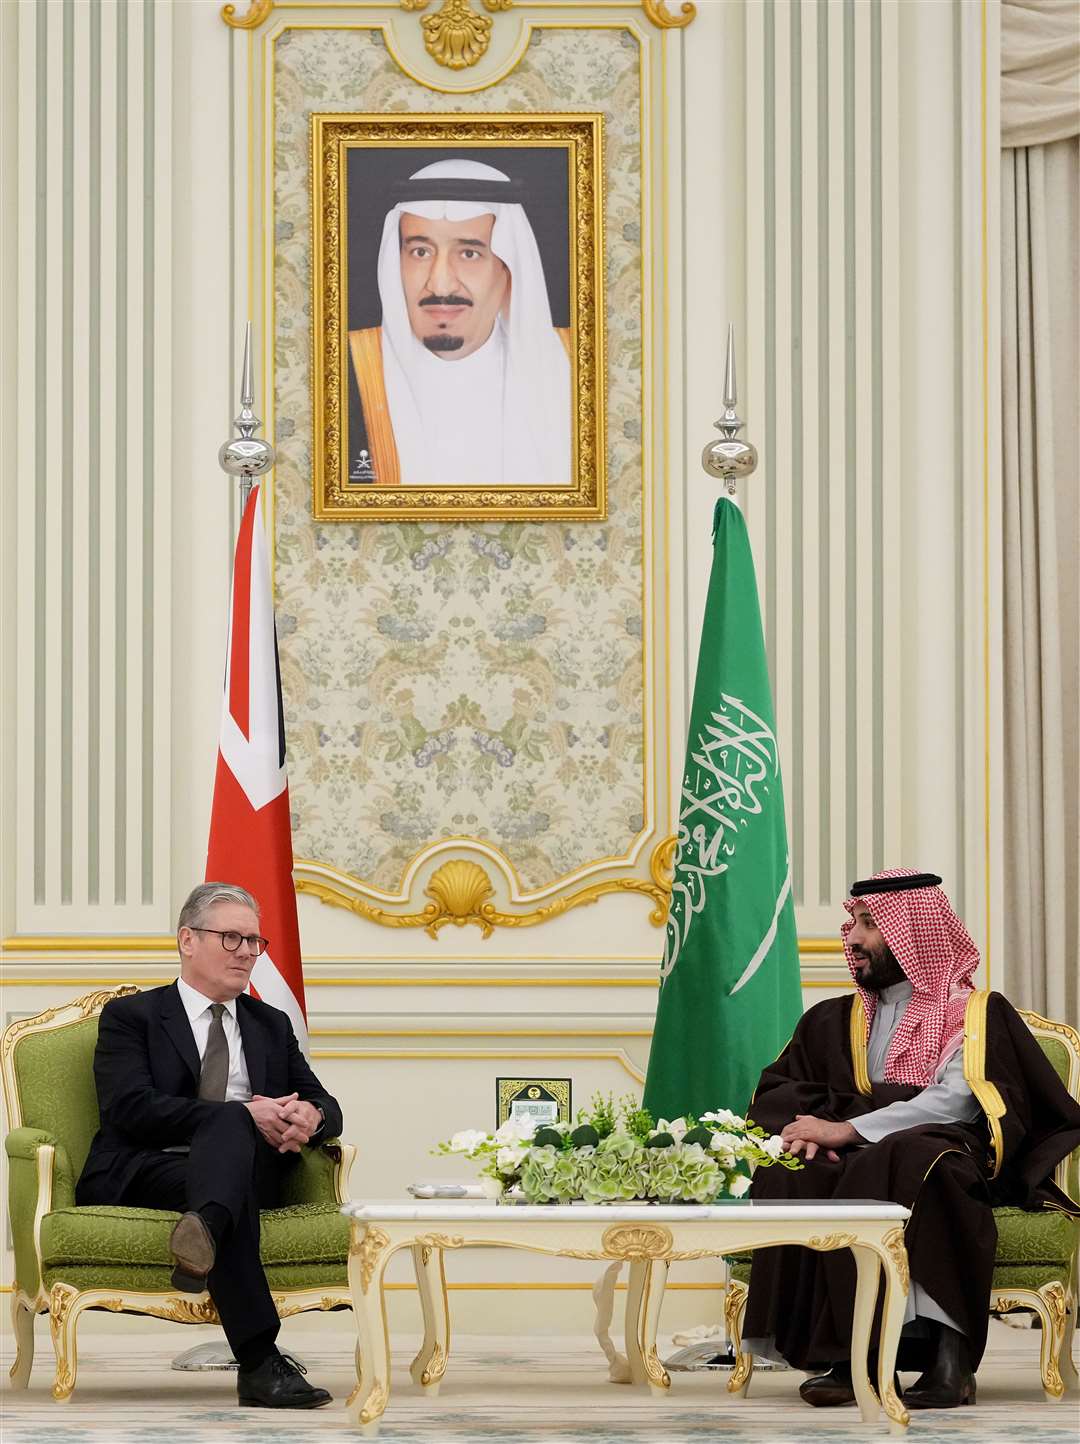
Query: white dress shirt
point(948, 1099)
point(197, 1007)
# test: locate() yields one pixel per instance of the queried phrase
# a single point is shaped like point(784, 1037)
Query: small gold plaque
point(536, 1100)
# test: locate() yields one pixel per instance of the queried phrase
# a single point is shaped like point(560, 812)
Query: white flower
point(723, 1116)
point(468, 1141)
point(491, 1187)
point(773, 1146)
point(515, 1130)
point(738, 1185)
point(677, 1128)
point(509, 1158)
point(726, 1143)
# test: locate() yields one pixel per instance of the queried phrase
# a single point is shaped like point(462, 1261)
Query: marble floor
point(550, 1391)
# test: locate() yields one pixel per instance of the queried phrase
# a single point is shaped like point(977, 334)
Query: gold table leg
point(635, 1321)
point(866, 1292)
point(656, 1272)
point(369, 1252)
point(430, 1363)
point(894, 1262)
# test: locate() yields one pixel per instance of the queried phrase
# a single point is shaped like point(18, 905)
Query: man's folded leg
point(219, 1186)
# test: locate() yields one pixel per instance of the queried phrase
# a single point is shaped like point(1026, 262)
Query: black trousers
point(231, 1165)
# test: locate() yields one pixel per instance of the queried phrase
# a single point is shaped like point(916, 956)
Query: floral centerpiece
point(617, 1153)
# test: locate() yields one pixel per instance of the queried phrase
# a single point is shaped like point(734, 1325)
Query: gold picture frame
point(359, 163)
point(543, 1100)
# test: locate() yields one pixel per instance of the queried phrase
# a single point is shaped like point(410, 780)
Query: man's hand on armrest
point(811, 1134)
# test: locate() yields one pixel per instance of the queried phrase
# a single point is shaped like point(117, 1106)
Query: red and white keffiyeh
point(938, 957)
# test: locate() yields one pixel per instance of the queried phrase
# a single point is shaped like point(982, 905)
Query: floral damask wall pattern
point(460, 679)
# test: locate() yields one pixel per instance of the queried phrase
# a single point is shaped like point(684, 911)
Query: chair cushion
point(1027, 1276)
point(1046, 1237)
point(100, 1246)
point(1032, 1249)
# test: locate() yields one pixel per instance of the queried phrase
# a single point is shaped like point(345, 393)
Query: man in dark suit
point(206, 1101)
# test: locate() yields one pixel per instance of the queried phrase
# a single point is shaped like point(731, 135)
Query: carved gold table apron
point(649, 1239)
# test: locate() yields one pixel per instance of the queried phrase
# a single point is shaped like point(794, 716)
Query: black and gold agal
point(906, 883)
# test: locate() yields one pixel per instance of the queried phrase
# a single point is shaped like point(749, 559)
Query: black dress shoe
point(828, 1391)
point(831, 1390)
point(278, 1383)
point(192, 1246)
point(950, 1380)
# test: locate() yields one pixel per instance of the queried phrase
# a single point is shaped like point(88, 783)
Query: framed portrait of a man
point(457, 311)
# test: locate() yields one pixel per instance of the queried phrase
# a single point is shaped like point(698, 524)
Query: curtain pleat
point(1041, 478)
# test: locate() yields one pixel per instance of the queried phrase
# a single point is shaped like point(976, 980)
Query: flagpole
point(726, 460)
point(729, 458)
point(246, 456)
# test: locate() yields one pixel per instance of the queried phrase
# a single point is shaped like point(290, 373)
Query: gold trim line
point(858, 1046)
point(461, 893)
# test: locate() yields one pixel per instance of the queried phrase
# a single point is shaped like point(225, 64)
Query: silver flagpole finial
point(247, 378)
point(729, 458)
point(730, 394)
point(246, 455)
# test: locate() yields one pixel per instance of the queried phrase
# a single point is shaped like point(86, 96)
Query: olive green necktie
point(215, 1064)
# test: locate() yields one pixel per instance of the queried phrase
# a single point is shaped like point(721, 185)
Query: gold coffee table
point(649, 1239)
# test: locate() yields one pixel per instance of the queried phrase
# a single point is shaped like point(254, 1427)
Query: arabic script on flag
point(736, 756)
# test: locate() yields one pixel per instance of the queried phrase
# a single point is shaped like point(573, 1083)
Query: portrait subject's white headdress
point(536, 388)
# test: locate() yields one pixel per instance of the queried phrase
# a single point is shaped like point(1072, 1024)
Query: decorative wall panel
point(870, 511)
point(91, 442)
point(461, 680)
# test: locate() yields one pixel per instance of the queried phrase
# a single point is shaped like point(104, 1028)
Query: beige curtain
point(1040, 206)
point(1040, 71)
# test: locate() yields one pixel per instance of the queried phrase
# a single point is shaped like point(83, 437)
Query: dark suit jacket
point(146, 1068)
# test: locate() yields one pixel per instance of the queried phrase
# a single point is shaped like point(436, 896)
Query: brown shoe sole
point(192, 1248)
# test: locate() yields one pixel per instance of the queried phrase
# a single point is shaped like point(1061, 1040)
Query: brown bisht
point(949, 1175)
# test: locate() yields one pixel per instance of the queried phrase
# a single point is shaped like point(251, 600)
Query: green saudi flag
point(729, 984)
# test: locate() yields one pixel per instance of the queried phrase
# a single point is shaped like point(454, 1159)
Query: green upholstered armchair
point(68, 1259)
point(1037, 1253)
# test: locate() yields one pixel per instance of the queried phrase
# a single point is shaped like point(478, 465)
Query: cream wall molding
point(833, 978)
point(44, 945)
point(88, 802)
point(260, 10)
point(877, 549)
point(465, 1055)
point(829, 123)
point(462, 893)
point(424, 901)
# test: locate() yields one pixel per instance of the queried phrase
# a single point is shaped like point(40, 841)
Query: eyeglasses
point(231, 941)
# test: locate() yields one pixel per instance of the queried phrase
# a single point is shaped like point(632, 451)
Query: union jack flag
point(250, 827)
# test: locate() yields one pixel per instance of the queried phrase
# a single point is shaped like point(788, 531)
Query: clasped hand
point(812, 1134)
point(286, 1123)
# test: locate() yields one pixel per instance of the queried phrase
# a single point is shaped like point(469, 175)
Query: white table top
point(469, 1211)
